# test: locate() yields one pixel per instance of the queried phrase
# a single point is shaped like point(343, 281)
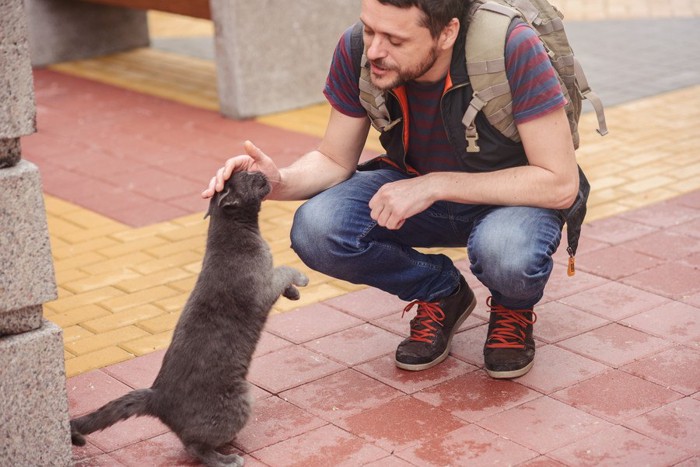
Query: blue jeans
point(510, 248)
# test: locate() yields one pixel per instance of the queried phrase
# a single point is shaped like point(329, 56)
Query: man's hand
point(397, 201)
point(253, 161)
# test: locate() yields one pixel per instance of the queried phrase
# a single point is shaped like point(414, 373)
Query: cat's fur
point(201, 392)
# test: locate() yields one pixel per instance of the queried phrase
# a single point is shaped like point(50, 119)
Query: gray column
point(64, 30)
point(273, 55)
point(34, 427)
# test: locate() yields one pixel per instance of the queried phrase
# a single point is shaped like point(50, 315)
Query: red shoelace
point(509, 332)
point(429, 313)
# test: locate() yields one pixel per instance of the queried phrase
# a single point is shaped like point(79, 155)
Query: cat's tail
point(134, 403)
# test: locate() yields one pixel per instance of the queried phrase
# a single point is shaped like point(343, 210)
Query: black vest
point(497, 152)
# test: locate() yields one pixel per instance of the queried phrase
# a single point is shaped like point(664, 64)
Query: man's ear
point(449, 34)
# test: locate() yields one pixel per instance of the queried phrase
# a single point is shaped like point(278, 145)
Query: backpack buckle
point(472, 139)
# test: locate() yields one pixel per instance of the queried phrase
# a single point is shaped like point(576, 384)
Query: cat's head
point(244, 190)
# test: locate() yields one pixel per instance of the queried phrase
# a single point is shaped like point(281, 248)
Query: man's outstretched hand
point(254, 160)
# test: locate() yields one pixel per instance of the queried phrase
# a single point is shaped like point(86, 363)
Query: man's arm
point(549, 181)
point(334, 161)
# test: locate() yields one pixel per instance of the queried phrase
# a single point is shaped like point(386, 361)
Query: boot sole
point(511, 373)
point(442, 356)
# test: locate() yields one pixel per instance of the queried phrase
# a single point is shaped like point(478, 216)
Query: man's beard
point(404, 76)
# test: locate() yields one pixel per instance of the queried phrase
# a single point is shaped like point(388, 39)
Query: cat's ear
point(219, 199)
point(227, 199)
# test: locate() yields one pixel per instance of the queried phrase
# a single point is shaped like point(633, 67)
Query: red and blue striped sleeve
point(534, 85)
point(342, 87)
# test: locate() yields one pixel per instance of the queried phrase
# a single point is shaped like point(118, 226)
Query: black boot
point(509, 351)
point(433, 327)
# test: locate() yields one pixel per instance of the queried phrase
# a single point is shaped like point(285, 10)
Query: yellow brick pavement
point(121, 288)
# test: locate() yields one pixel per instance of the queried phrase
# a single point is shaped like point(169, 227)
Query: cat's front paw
point(291, 293)
point(300, 279)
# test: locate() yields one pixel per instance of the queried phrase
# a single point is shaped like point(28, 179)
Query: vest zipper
point(442, 109)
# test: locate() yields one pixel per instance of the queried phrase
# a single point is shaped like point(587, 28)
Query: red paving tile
point(342, 346)
point(290, 367)
point(368, 304)
point(160, 451)
point(470, 445)
point(311, 322)
point(341, 395)
point(468, 345)
point(615, 344)
point(668, 246)
point(475, 396)
point(666, 214)
point(274, 420)
point(616, 262)
point(544, 424)
point(616, 230)
point(401, 423)
point(677, 423)
point(137, 372)
point(674, 280)
point(556, 368)
point(619, 446)
point(384, 369)
point(560, 285)
point(677, 368)
point(127, 433)
point(89, 391)
point(614, 301)
point(675, 321)
point(616, 396)
point(325, 446)
point(269, 343)
point(557, 321)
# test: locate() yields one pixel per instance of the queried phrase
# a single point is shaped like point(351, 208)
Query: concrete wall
point(271, 55)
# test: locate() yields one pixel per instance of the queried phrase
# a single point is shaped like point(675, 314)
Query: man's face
point(398, 48)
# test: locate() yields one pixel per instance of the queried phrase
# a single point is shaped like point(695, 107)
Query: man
point(502, 203)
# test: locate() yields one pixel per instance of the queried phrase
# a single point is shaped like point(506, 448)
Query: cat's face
point(243, 189)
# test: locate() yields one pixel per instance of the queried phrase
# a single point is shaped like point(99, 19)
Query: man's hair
point(436, 13)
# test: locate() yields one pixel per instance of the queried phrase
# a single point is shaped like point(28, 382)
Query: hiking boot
point(433, 327)
point(509, 351)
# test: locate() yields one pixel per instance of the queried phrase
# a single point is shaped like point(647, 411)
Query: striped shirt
point(534, 87)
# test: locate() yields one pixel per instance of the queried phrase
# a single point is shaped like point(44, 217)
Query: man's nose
point(376, 48)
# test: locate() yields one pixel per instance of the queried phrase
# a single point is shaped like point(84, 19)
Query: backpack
point(489, 21)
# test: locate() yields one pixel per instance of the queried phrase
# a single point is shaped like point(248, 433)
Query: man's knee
point(514, 263)
point(308, 231)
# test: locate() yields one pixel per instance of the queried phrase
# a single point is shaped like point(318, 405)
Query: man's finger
point(210, 190)
point(253, 151)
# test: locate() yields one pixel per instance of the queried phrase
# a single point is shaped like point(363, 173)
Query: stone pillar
point(274, 55)
point(64, 30)
point(34, 427)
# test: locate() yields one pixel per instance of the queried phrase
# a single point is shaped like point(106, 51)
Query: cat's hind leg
point(211, 458)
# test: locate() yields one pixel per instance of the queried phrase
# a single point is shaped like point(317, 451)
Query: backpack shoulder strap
point(485, 56)
point(372, 98)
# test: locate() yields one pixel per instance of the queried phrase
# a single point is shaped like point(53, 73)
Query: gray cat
point(201, 392)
